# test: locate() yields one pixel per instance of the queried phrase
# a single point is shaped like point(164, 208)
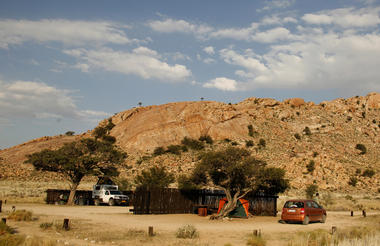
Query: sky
point(66, 65)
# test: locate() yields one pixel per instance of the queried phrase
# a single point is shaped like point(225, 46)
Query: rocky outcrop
point(295, 133)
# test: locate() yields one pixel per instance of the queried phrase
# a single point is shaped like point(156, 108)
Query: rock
point(295, 102)
point(373, 100)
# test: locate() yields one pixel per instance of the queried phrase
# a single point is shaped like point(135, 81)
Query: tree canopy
point(154, 177)
point(77, 159)
point(236, 172)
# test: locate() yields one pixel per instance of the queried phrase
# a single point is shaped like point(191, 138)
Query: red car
point(303, 211)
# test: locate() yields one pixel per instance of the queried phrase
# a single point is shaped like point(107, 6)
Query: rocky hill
point(293, 134)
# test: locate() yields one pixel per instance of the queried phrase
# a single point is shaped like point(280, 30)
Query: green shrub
point(311, 166)
point(250, 130)
point(353, 181)
point(192, 143)
point(206, 138)
point(174, 149)
point(358, 171)
point(159, 151)
point(249, 143)
point(21, 215)
point(368, 173)
point(297, 136)
point(186, 183)
point(4, 228)
point(315, 154)
point(234, 143)
point(362, 148)
point(154, 177)
point(311, 190)
point(262, 143)
point(187, 231)
point(46, 225)
point(8, 239)
point(69, 133)
point(307, 131)
point(256, 241)
point(227, 140)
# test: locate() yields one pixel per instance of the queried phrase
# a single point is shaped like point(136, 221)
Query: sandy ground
point(115, 226)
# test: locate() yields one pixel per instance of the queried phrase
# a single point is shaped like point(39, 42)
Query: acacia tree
point(154, 177)
point(236, 172)
point(86, 157)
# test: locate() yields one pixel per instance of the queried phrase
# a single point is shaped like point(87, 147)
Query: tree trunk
point(73, 189)
point(227, 208)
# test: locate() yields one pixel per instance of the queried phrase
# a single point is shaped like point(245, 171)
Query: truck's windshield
point(115, 192)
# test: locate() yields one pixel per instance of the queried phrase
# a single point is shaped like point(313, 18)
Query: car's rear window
point(290, 204)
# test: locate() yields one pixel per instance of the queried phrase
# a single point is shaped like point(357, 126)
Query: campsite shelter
point(241, 209)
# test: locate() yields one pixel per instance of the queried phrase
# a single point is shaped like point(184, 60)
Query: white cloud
point(345, 17)
point(272, 35)
point(235, 33)
point(13, 32)
point(317, 61)
point(222, 83)
point(209, 50)
point(182, 26)
point(276, 4)
point(142, 62)
point(29, 99)
point(209, 60)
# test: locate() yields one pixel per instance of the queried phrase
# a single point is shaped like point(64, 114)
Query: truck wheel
point(97, 202)
point(111, 202)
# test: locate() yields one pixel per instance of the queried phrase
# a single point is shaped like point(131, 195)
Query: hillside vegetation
point(335, 144)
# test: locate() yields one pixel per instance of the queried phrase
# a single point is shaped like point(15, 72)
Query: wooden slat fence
point(174, 201)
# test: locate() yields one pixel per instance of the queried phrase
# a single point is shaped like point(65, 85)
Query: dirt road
point(93, 220)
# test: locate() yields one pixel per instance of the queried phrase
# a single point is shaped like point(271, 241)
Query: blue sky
point(65, 65)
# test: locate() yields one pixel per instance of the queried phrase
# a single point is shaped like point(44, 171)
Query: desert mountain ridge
point(295, 133)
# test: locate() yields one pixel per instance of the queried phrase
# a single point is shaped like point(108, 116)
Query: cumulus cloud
point(209, 50)
point(222, 83)
point(13, 32)
point(29, 99)
point(182, 26)
point(345, 17)
point(318, 61)
point(276, 4)
point(142, 62)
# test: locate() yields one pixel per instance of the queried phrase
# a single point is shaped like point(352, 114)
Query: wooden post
point(1, 204)
point(150, 231)
point(333, 230)
point(66, 224)
point(364, 213)
point(4, 220)
point(255, 233)
point(352, 213)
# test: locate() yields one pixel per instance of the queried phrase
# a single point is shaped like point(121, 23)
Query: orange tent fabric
point(243, 202)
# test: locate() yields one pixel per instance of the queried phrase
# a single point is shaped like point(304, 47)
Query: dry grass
point(21, 215)
point(256, 241)
point(187, 231)
point(357, 236)
point(337, 201)
point(39, 241)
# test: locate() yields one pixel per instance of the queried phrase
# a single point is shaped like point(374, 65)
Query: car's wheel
point(97, 202)
point(306, 220)
point(111, 202)
point(323, 220)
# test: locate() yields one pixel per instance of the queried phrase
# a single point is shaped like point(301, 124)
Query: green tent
point(241, 210)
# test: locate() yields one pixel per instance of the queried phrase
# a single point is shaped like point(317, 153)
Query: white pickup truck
point(108, 194)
